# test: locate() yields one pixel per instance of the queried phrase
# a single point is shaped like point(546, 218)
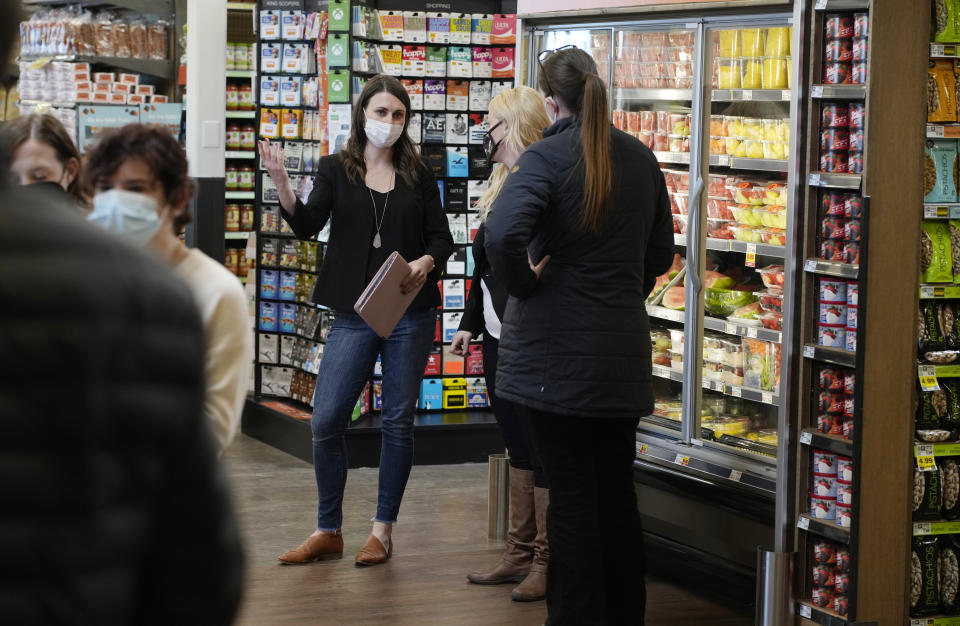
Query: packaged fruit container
point(774, 236)
point(753, 148)
point(774, 217)
point(771, 320)
point(775, 194)
point(772, 276)
point(718, 145)
point(734, 147)
point(720, 208)
point(718, 228)
point(730, 43)
point(678, 143)
point(729, 74)
point(680, 201)
point(676, 360)
point(752, 73)
point(753, 41)
point(775, 150)
point(749, 234)
point(752, 128)
point(661, 141)
point(679, 124)
point(732, 352)
point(734, 125)
point(717, 127)
point(648, 120)
point(759, 364)
point(778, 42)
point(746, 192)
point(774, 73)
point(716, 186)
point(732, 375)
point(748, 214)
point(712, 348)
point(772, 300)
point(676, 340)
point(771, 130)
point(663, 121)
point(679, 224)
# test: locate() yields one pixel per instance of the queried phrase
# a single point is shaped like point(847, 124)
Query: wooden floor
point(441, 535)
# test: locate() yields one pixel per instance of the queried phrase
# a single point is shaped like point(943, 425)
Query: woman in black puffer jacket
point(575, 343)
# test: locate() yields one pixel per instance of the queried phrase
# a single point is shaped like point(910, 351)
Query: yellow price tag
point(751, 260)
point(929, 383)
point(643, 448)
point(40, 63)
point(926, 462)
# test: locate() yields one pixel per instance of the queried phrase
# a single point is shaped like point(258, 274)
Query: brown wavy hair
point(47, 130)
point(570, 76)
point(158, 149)
point(406, 158)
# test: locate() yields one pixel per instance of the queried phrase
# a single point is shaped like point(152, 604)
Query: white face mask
point(381, 134)
point(132, 216)
point(552, 109)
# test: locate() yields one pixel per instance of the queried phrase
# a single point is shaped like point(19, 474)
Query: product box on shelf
point(431, 394)
point(454, 393)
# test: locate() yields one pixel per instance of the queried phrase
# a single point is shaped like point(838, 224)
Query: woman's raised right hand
point(271, 157)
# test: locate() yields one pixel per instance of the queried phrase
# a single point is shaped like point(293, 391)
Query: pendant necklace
point(376, 238)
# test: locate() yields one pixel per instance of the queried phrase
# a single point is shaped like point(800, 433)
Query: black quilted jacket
point(577, 342)
point(113, 509)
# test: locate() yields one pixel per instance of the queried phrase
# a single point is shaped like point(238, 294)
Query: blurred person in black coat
point(114, 508)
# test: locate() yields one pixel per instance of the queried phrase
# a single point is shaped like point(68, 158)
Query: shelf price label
point(803, 523)
point(926, 463)
point(747, 95)
point(928, 378)
point(736, 475)
point(921, 528)
point(804, 609)
point(766, 398)
point(935, 131)
point(806, 438)
point(752, 332)
point(785, 95)
point(809, 352)
point(682, 460)
point(821, 5)
point(643, 449)
point(751, 255)
point(816, 92)
point(928, 291)
point(736, 392)
point(815, 178)
point(731, 329)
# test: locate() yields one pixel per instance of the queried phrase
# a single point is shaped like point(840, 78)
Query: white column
point(206, 87)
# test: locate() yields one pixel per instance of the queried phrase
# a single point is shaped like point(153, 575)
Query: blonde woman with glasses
point(516, 120)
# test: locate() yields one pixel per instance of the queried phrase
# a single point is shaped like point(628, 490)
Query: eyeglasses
point(488, 139)
point(540, 58)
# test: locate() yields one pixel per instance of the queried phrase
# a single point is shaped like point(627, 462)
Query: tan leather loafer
point(373, 552)
point(322, 547)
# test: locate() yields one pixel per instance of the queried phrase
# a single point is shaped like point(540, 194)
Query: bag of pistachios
point(924, 576)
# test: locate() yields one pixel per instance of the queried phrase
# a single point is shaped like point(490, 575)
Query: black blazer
point(577, 341)
point(422, 226)
point(472, 319)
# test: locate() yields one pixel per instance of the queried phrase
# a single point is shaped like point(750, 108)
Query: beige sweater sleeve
point(228, 356)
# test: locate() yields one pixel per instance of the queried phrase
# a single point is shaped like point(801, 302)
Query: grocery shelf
point(722, 326)
point(936, 449)
point(840, 181)
point(36, 103)
point(823, 528)
point(160, 69)
point(948, 51)
point(931, 292)
point(240, 195)
point(943, 131)
point(657, 95)
point(842, 5)
point(241, 73)
point(742, 330)
point(155, 7)
point(939, 371)
point(831, 355)
point(936, 527)
point(833, 443)
point(732, 245)
point(826, 617)
point(682, 158)
point(746, 95)
point(839, 92)
point(735, 391)
point(241, 115)
point(935, 621)
point(240, 154)
point(241, 6)
point(237, 235)
point(941, 211)
point(831, 268)
point(759, 165)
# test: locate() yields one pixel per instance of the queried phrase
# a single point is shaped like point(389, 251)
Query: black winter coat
point(473, 319)
point(577, 342)
point(114, 509)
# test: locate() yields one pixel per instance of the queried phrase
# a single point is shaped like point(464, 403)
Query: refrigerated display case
point(722, 137)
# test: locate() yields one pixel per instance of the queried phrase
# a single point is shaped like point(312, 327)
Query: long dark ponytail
point(570, 76)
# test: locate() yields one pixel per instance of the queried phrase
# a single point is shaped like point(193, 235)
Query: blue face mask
point(132, 216)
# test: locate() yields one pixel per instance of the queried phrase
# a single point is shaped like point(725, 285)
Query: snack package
point(940, 170)
point(936, 254)
point(941, 91)
point(950, 472)
point(924, 576)
point(946, 21)
point(955, 249)
point(927, 494)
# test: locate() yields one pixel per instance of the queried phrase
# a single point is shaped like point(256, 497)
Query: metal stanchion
point(774, 584)
point(498, 497)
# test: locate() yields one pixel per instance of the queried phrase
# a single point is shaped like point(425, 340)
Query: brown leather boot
point(514, 564)
point(534, 586)
point(322, 547)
